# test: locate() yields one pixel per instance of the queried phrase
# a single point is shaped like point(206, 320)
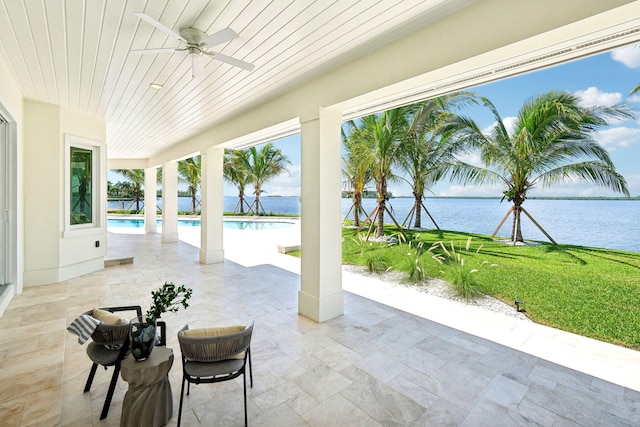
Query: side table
point(148, 401)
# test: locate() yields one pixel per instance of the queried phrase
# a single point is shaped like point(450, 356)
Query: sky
point(604, 79)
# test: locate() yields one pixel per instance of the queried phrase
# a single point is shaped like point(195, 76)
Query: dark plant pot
point(142, 336)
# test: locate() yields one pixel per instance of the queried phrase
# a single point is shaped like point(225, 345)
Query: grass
point(587, 291)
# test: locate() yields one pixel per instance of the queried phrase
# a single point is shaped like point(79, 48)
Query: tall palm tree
point(428, 151)
point(356, 169)
point(136, 178)
point(383, 133)
point(265, 164)
point(189, 173)
point(552, 142)
point(237, 172)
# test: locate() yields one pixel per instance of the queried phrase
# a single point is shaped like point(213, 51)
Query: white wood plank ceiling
point(75, 53)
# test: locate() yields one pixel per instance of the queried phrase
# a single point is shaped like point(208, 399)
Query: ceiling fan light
point(156, 86)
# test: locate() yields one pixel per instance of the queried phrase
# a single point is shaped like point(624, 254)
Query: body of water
point(235, 224)
point(611, 224)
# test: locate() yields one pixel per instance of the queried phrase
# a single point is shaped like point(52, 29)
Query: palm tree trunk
point(357, 206)
point(417, 205)
point(193, 200)
point(382, 197)
point(516, 231)
point(241, 201)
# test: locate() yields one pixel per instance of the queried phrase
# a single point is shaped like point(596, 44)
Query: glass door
point(4, 208)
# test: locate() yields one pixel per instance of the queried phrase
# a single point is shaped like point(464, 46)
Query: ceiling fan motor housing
point(193, 36)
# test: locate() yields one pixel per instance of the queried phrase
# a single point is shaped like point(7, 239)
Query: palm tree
point(552, 142)
point(265, 164)
point(237, 172)
point(189, 173)
point(356, 169)
point(383, 133)
point(427, 151)
point(136, 178)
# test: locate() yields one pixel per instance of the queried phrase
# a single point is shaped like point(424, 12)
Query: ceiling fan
point(196, 43)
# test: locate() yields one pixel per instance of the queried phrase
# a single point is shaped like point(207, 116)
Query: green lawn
point(587, 291)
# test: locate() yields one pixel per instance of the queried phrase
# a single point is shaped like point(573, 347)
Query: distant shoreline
point(528, 198)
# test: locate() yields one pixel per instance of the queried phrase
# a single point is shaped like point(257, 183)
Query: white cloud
point(617, 137)
point(285, 184)
point(628, 55)
point(633, 182)
point(471, 190)
point(472, 158)
point(593, 97)
point(509, 123)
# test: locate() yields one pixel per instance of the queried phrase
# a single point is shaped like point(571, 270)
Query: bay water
point(611, 224)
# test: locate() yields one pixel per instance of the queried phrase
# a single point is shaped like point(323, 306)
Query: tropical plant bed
point(587, 291)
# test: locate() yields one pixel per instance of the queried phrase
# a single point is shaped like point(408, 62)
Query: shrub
point(416, 269)
point(459, 272)
point(377, 262)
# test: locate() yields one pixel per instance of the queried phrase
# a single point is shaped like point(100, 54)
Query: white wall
point(51, 255)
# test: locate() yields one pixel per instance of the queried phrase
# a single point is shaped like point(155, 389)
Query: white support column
point(170, 202)
point(150, 203)
point(321, 297)
point(212, 206)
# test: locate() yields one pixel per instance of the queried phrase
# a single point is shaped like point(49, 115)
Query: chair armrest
point(162, 325)
point(135, 308)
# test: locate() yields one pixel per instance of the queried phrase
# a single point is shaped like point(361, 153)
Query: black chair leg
point(244, 381)
point(250, 367)
point(112, 388)
point(92, 374)
point(181, 398)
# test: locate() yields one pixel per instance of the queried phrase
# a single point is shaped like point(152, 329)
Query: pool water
point(232, 224)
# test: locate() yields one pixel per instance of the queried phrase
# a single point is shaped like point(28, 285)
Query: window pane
point(81, 185)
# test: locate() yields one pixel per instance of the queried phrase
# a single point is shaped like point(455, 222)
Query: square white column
point(212, 206)
point(170, 202)
point(150, 204)
point(321, 297)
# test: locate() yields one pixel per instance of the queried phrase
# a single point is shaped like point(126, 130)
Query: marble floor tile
point(373, 366)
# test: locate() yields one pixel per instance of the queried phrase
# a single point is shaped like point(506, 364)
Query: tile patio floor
point(374, 366)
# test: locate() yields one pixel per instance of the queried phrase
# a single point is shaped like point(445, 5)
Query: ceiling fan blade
point(220, 37)
point(159, 50)
point(159, 26)
point(231, 61)
point(197, 66)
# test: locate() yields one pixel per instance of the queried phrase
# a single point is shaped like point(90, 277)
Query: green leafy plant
point(377, 262)
point(168, 298)
point(415, 270)
point(459, 272)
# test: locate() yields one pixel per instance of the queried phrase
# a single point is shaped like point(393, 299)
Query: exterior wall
point(78, 253)
point(51, 255)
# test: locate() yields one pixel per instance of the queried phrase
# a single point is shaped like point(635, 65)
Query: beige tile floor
point(375, 365)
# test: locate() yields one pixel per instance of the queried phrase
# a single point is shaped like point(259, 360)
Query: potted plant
point(168, 298)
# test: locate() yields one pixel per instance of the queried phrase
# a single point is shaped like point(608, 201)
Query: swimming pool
point(227, 223)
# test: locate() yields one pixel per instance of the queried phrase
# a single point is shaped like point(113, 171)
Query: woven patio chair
point(211, 355)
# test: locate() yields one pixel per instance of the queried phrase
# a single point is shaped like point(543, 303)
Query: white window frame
point(97, 217)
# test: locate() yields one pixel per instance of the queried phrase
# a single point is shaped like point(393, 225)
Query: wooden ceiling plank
point(38, 22)
point(56, 27)
point(23, 34)
point(16, 61)
point(94, 16)
point(74, 13)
